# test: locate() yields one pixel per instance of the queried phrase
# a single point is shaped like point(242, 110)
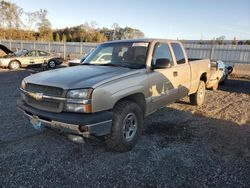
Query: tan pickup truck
point(111, 98)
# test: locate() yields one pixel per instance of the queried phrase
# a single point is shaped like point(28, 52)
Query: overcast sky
point(182, 19)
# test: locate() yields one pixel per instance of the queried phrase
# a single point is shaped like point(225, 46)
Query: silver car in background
point(24, 58)
point(226, 70)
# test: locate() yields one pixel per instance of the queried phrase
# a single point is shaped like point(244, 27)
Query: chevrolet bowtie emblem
point(37, 96)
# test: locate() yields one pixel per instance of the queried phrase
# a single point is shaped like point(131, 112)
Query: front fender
point(106, 95)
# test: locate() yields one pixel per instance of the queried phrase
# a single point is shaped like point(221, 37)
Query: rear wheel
point(14, 65)
point(126, 128)
point(198, 97)
point(52, 64)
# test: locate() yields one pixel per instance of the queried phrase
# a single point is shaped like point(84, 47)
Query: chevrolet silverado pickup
point(110, 99)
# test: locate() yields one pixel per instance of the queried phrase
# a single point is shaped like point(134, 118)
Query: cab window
point(178, 52)
point(162, 51)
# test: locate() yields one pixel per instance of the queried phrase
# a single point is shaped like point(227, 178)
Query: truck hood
point(83, 76)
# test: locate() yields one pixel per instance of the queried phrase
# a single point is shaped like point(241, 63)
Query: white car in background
point(226, 70)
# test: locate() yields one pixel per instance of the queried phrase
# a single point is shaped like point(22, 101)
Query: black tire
point(51, 64)
point(14, 65)
point(118, 138)
point(198, 97)
point(215, 87)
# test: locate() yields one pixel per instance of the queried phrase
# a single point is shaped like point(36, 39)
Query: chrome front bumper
point(97, 124)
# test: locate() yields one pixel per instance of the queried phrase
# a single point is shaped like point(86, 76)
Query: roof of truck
point(140, 40)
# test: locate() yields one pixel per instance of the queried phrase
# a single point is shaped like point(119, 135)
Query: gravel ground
point(181, 146)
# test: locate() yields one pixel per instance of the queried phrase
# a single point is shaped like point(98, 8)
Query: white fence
point(230, 54)
point(65, 49)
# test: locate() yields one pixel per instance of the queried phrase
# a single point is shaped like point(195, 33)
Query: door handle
point(175, 73)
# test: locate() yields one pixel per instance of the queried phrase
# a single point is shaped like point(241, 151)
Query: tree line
point(17, 24)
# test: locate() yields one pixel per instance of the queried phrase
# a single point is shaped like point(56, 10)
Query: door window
point(162, 51)
point(31, 53)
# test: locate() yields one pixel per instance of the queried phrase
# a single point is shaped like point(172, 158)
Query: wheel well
point(204, 77)
point(138, 98)
point(51, 60)
point(16, 61)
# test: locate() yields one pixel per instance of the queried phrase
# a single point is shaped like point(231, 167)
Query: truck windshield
point(124, 54)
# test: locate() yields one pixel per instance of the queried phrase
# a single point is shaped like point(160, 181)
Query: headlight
point(23, 84)
point(79, 108)
point(79, 94)
point(79, 101)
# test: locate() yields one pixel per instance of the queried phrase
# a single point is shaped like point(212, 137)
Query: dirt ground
point(181, 146)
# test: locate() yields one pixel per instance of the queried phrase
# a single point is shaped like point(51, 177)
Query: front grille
point(46, 105)
point(51, 106)
point(46, 90)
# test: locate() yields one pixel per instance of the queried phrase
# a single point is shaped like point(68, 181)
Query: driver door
point(163, 82)
point(29, 58)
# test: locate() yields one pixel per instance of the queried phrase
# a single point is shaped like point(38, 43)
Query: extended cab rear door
point(182, 69)
point(163, 82)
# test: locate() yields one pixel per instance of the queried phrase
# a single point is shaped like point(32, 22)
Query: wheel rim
point(52, 64)
point(130, 125)
point(14, 65)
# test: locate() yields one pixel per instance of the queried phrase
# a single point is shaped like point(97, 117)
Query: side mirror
point(161, 64)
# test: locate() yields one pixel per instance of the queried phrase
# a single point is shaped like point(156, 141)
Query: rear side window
point(179, 55)
point(42, 53)
point(162, 51)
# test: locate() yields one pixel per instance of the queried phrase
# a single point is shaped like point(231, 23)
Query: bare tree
point(93, 25)
point(10, 15)
point(44, 25)
point(31, 20)
point(115, 28)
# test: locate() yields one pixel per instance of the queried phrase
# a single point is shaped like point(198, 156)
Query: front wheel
point(14, 65)
point(198, 97)
point(126, 128)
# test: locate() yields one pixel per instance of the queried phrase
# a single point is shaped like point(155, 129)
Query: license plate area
point(36, 123)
